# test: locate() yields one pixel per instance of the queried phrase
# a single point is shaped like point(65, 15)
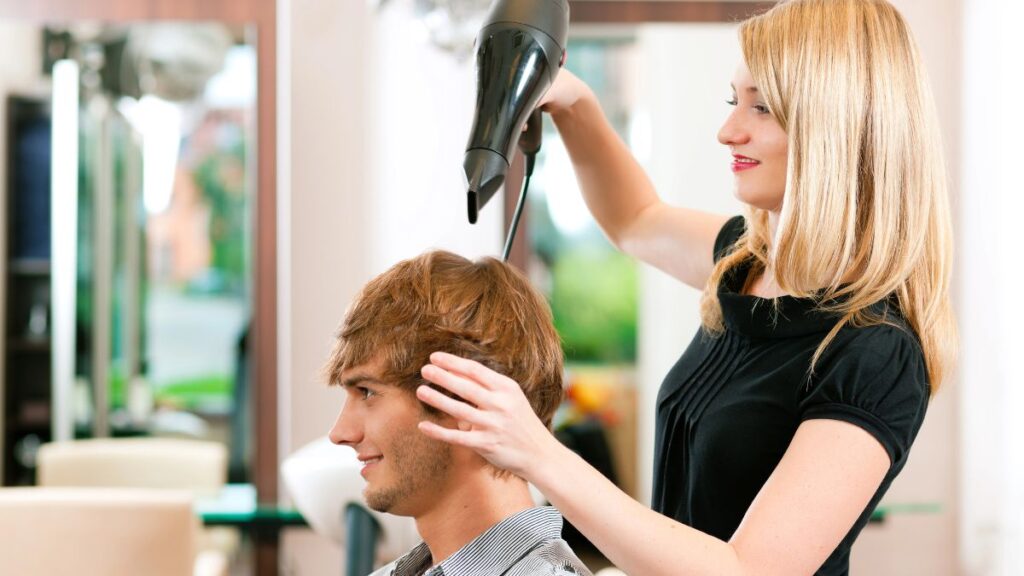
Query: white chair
point(194, 465)
point(96, 532)
point(198, 467)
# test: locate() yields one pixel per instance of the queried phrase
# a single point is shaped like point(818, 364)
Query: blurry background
point(178, 249)
point(155, 237)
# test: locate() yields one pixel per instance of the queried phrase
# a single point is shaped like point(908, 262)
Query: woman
point(826, 313)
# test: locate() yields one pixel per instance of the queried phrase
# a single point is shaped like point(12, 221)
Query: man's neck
point(468, 509)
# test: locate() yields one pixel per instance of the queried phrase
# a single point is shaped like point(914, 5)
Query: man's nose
point(347, 429)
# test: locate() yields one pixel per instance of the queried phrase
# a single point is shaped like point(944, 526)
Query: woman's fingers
point(461, 387)
point(450, 406)
point(449, 435)
point(470, 369)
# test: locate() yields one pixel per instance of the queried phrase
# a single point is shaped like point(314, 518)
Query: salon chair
point(97, 531)
point(196, 467)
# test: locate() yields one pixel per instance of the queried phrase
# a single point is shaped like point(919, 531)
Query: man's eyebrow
point(749, 88)
point(357, 379)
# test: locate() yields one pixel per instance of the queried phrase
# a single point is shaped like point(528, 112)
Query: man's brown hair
point(485, 310)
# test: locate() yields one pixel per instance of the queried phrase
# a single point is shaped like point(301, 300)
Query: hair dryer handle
point(529, 142)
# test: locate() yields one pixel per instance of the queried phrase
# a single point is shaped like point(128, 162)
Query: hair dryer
point(518, 52)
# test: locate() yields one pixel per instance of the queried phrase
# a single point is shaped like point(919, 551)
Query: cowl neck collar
point(782, 317)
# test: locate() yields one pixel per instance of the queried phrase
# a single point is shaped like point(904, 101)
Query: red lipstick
point(741, 163)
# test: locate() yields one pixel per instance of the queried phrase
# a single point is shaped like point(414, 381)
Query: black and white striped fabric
point(525, 544)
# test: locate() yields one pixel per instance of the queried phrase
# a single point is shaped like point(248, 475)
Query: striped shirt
point(528, 543)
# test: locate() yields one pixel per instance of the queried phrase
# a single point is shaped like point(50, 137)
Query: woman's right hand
point(566, 90)
point(494, 417)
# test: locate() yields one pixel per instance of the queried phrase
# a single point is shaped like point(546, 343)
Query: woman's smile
point(741, 163)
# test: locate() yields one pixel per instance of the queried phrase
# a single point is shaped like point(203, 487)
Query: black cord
point(519, 209)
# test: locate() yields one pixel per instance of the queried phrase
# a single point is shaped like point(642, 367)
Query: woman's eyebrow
point(749, 88)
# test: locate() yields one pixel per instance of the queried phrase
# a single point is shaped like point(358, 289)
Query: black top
point(730, 406)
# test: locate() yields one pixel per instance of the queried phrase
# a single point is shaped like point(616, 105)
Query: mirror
point(130, 170)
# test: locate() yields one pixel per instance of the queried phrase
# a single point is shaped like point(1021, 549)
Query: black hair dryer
point(519, 50)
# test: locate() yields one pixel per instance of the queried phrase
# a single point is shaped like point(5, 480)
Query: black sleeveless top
point(730, 406)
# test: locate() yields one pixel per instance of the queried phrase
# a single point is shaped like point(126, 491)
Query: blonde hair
point(866, 211)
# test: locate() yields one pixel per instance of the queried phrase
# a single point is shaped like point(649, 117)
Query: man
point(474, 519)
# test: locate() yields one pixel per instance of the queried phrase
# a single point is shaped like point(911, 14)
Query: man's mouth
point(369, 462)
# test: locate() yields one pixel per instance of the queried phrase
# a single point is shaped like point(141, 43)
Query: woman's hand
point(496, 420)
point(565, 91)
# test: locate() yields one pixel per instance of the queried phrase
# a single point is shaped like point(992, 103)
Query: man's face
point(404, 470)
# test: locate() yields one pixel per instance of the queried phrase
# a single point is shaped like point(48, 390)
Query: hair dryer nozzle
point(485, 173)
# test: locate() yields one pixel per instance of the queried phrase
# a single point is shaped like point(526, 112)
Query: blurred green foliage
point(594, 302)
point(591, 286)
point(193, 393)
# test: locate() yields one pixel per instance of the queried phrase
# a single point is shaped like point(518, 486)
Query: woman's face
point(758, 145)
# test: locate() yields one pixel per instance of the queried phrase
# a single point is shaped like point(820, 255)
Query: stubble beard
point(416, 463)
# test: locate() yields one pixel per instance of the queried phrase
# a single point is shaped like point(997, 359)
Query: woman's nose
point(732, 132)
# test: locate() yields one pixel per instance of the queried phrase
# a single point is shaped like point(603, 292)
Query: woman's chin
point(758, 199)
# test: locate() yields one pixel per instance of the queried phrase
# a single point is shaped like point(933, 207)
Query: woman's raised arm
point(619, 194)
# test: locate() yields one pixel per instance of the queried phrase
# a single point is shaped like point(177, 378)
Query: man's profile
point(473, 518)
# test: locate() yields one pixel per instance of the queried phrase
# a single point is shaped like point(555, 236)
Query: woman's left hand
point(496, 420)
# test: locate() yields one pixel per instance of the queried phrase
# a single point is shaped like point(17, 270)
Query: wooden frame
point(621, 12)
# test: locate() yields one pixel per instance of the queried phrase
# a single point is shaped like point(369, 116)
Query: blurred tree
point(594, 302)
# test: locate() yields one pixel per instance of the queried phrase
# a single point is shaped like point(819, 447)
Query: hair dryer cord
point(519, 208)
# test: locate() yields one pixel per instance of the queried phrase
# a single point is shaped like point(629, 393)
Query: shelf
point(29, 267)
point(25, 427)
point(22, 344)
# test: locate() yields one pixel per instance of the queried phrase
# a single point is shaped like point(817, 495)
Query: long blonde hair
point(866, 209)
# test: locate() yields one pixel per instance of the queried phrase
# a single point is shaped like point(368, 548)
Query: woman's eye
point(761, 108)
point(731, 102)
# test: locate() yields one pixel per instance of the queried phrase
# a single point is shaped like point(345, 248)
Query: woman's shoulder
point(883, 345)
point(875, 377)
point(884, 327)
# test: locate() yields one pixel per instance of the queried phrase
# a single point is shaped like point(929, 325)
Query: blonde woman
point(826, 313)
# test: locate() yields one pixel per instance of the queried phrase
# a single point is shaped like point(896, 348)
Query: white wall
point(323, 222)
point(422, 112)
point(992, 440)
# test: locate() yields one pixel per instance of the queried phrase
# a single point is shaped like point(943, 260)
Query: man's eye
point(365, 393)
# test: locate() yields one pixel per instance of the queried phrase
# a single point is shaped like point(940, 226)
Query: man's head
point(486, 311)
